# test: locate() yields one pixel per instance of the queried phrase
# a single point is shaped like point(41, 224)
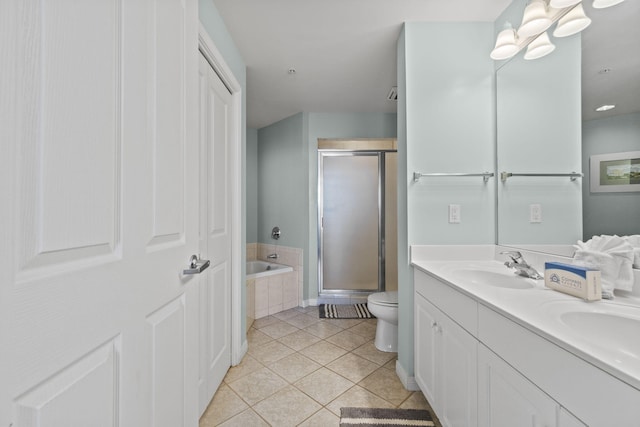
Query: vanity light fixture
point(561, 4)
point(506, 45)
point(535, 20)
point(538, 16)
point(601, 4)
point(605, 108)
point(540, 47)
point(572, 23)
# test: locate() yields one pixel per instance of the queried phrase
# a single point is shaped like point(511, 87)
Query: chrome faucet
point(521, 266)
point(272, 256)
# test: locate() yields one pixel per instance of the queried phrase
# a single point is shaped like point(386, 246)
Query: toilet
point(384, 305)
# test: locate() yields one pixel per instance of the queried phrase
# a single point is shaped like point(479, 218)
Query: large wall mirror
point(547, 124)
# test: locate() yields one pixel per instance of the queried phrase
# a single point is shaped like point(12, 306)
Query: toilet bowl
point(384, 305)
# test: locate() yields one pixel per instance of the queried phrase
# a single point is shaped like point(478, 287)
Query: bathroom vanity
point(495, 349)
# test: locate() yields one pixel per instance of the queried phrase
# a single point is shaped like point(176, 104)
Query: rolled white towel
point(634, 241)
point(613, 255)
point(609, 268)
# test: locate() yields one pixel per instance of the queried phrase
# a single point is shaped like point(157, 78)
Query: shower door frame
point(380, 154)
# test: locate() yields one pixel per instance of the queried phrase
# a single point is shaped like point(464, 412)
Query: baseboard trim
point(244, 347)
point(309, 302)
point(409, 382)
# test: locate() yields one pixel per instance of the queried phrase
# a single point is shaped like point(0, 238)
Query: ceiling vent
point(393, 94)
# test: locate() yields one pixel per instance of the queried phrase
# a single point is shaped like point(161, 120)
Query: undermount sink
point(505, 279)
point(610, 328)
point(618, 329)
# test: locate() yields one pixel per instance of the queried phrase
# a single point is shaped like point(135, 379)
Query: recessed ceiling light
point(605, 108)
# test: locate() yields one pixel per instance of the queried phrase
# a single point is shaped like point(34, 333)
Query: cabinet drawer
point(460, 308)
point(594, 396)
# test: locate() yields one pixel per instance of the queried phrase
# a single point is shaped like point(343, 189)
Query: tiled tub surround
point(572, 376)
point(278, 292)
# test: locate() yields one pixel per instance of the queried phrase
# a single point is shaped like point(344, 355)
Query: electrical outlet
point(454, 214)
point(535, 213)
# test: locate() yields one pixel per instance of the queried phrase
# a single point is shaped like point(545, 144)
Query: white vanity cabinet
point(480, 365)
point(445, 353)
point(594, 396)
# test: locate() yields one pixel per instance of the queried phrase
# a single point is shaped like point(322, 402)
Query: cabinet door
point(507, 399)
point(445, 365)
point(425, 347)
point(457, 375)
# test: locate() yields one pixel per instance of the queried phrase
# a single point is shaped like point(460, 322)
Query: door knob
point(196, 265)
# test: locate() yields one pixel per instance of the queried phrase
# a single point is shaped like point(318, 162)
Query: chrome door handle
point(196, 265)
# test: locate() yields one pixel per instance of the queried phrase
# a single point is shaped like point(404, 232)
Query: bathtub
point(271, 288)
point(257, 269)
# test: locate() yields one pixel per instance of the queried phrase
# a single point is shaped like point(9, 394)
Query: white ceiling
point(344, 51)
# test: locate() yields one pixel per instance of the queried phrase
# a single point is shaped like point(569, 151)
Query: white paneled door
point(99, 213)
point(216, 119)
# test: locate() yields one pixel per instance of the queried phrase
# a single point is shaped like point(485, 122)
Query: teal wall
point(214, 25)
point(351, 125)
point(446, 116)
point(252, 185)
point(615, 134)
point(450, 128)
point(282, 177)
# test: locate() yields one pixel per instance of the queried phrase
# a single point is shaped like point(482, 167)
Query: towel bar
point(485, 175)
point(573, 175)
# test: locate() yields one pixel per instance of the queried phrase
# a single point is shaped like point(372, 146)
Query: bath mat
point(344, 311)
point(370, 417)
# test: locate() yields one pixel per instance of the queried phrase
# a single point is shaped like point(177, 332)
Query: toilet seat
point(388, 299)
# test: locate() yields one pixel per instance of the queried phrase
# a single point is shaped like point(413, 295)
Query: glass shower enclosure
point(355, 222)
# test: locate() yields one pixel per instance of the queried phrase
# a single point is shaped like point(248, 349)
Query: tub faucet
point(521, 266)
point(272, 256)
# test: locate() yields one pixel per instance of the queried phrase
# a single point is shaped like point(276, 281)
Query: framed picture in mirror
point(615, 172)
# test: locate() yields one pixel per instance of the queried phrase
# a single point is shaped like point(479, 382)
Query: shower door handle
point(196, 265)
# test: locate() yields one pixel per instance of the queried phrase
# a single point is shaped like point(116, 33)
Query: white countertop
point(540, 309)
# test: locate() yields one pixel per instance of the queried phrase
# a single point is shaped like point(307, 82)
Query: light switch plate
point(454, 214)
point(535, 213)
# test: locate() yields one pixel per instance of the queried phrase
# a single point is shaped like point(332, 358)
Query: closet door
point(98, 325)
point(216, 121)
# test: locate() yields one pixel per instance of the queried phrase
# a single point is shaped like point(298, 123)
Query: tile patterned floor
point(300, 370)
